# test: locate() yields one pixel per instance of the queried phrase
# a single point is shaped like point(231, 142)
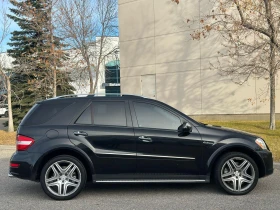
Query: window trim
point(91, 117)
point(135, 120)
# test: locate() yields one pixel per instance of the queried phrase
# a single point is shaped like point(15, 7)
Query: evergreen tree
point(32, 47)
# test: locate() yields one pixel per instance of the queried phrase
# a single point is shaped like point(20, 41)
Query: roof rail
point(75, 96)
point(130, 95)
point(95, 95)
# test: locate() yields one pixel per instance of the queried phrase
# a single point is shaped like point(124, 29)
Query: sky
point(5, 5)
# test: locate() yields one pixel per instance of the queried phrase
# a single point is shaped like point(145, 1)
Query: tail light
point(24, 142)
point(14, 165)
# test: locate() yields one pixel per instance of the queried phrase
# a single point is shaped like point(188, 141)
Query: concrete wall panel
point(137, 53)
point(176, 47)
point(171, 18)
point(211, 45)
point(180, 90)
point(134, 84)
point(136, 20)
point(138, 71)
point(181, 66)
point(263, 102)
point(221, 96)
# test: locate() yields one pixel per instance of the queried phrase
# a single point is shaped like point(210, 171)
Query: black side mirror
point(184, 129)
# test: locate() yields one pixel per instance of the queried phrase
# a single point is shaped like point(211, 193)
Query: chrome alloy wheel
point(63, 178)
point(238, 174)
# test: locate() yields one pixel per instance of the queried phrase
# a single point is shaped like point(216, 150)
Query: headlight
point(261, 143)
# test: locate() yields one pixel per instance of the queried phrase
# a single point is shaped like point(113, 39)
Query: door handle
point(145, 139)
point(208, 142)
point(80, 133)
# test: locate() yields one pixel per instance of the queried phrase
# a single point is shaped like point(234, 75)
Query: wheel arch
point(236, 148)
point(79, 154)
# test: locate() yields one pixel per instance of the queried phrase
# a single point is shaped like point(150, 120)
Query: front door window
point(151, 116)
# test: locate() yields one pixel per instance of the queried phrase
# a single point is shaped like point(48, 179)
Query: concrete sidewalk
point(6, 151)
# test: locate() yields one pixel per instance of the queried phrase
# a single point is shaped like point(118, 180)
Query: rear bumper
point(26, 162)
point(267, 160)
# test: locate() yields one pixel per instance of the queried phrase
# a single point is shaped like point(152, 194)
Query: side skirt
point(150, 178)
point(152, 181)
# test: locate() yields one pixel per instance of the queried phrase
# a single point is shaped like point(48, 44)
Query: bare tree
point(81, 21)
point(56, 50)
point(251, 33)
point(4, 32)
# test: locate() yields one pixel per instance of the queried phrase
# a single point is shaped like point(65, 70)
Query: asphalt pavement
point(22, 194)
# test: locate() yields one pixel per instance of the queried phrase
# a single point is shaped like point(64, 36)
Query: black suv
point(66, 141)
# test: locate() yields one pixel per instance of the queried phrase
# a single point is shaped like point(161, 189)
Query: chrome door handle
point(208, 142)
point(145, 139)
point(80, 133)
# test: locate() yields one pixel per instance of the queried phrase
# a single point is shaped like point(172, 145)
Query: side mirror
point(184, 129)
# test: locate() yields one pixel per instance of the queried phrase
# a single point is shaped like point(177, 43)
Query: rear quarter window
point(41, 113)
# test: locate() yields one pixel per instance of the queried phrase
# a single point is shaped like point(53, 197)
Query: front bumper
point(267, 159)
point(26, 161)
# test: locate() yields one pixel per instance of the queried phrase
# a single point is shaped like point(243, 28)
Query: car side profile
point(68, 141)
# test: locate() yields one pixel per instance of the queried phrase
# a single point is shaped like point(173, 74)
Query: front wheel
point(63, 177)
point(6, 114)
point(236, 173)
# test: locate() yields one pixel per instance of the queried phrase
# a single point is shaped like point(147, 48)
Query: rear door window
point(109, 113)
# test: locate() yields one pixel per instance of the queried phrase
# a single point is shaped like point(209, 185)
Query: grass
point(260, 128)
point(7, 138)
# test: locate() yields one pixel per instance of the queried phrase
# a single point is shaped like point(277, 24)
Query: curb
point(7, 147)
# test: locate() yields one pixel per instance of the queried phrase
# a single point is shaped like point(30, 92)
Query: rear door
point(105, 127)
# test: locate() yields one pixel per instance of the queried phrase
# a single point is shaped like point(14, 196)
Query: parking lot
point(21, 194)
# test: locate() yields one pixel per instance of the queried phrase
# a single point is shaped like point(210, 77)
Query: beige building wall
point(155, 41)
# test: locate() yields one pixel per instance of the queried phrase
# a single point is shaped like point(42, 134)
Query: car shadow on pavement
point(150, 188)
point(34, 190)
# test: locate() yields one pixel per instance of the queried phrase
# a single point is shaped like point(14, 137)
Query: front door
point(159, 148)
point(105, 129)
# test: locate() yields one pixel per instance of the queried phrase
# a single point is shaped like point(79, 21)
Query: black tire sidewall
point(221, 162)
point(59, 158)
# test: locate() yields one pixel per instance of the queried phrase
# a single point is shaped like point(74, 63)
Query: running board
point(153, 181)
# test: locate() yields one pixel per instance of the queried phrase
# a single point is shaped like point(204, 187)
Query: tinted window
point(109, 113)
point(85, 117)
point(43, 113)
point(151, 116)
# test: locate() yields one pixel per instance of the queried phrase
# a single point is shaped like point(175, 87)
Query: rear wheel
point(63, 177)
point(236, 173)
point(6, 114)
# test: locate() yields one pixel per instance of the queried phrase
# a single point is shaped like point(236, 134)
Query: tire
point(244, 173)
point(6, 114)
point(64, 171)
